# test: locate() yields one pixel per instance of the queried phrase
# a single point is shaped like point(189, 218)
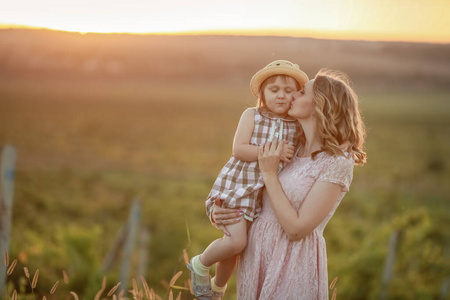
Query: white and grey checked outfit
point(239, 182)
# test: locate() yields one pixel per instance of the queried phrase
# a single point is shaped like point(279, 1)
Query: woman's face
point(302, 106)
point(278, 95)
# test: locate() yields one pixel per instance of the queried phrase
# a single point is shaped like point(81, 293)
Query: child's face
point(278, 95)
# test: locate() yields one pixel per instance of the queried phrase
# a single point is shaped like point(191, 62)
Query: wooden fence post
point(6, 202)
point(113, 253)
point(143, 251)
point(133, 223)
point(444, 288)
point(389, 265)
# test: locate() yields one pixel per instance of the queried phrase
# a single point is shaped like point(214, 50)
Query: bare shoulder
point(248, 116)
point(249, 113)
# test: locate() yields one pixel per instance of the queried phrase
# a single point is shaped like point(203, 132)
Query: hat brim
point(263, 74)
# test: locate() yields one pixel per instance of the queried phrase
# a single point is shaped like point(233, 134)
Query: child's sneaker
point(217, 292)
point(201, 285)
point(217, 295)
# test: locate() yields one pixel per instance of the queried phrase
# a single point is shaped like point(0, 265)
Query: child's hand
point(287, 152)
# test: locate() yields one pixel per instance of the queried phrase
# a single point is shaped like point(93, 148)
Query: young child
point(239, 182)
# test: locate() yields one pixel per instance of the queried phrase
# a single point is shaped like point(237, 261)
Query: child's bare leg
point(224, 270)
point(227, 246)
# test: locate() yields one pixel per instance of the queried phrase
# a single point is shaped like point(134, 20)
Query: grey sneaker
point(217, 295)
point(201, 285)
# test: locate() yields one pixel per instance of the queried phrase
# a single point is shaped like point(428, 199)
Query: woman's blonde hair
point(285, 78)
point(338, 117)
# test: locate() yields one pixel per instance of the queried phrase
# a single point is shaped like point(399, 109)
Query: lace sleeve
point(338, 170)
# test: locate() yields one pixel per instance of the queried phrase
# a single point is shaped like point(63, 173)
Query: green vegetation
point(86, 150)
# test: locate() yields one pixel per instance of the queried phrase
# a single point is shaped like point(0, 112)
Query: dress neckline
point(301, 157)
point(268, 114)
point(346, 154)
point(306, 157)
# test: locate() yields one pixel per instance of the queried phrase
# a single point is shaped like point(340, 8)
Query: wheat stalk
point(74, 295)
point(145, 285)
point(185, 256)
point(66, 278)
point(35, 279)
point(333, 283)
point(11, 267)
point(55, 286)
point(152, 293)
point(14, 295)
point(99, 293)
point(114, 288)
point(6, 258)
point(138, 293)
point(174, 278)
point(27, 275)
point(135, 286)
point(334, 294)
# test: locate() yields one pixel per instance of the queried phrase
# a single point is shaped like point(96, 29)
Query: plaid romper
point(239, 182)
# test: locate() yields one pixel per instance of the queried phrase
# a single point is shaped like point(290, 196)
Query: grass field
point(86, 150)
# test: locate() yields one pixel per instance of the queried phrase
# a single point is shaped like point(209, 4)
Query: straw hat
point(278, 67)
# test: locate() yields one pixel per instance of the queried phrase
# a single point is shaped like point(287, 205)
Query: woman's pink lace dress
point(272, 266)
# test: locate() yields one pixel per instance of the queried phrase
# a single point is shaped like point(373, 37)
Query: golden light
point(417, 20)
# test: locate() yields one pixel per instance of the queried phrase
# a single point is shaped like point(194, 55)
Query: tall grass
point(87, 149)
point(117, 292)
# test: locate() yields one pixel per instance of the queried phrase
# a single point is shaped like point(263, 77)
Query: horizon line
point(294, 33)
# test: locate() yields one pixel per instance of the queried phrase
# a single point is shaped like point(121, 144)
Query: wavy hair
point(338, 117)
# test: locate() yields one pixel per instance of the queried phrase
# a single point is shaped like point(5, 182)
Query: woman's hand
point(224, 216)
point(269, 157)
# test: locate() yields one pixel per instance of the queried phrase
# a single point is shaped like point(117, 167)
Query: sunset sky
point(403, 20)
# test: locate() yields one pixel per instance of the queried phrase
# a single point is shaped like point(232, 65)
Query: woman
point(285, 256)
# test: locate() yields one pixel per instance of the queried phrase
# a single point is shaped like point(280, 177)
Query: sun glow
point(416, 20)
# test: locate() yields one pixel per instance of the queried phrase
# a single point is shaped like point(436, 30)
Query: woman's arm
point(317, 205)
point(242, 149)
